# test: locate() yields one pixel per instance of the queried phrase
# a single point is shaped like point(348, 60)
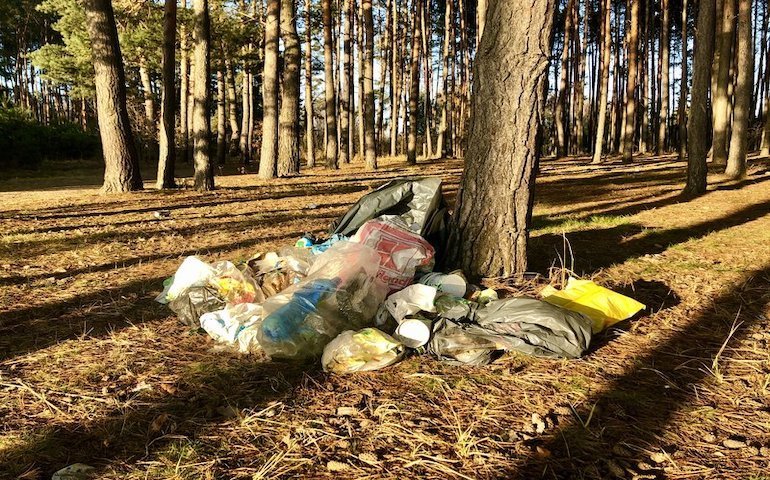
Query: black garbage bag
point(526, 325)
point(417, 202)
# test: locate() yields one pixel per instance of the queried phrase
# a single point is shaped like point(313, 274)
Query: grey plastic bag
point(417, 202)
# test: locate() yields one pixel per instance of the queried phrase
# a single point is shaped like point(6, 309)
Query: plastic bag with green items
point(603, 306)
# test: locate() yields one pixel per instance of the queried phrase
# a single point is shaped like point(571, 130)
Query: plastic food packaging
point(402, 253)
point(413, 299)
point(603, 306)
point(193, 272)
point(451, 283)
point(233, 285)
point(365, 350)
point(275, 272)
point(194, 302)
point(235, 325)
point(341, 292)
point(454, 308)
point(414, 332)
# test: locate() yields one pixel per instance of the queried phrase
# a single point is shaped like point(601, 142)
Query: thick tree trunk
point(167, 144)
point(682, 108)
point(204, 167)
point(288, 130)
point(699, 125)
point(561, 103)
point(269, 153)
point(664, 67)
point(121, 172)
point(221, 119)
point(370, 151)
point(395, 79)
point(643, 82)
point(721, 97)
point(232, 110)
point(443, 95)
point(331, 101)
point(605, 80)
point(414, 86)
point(345, 85)
point(630, 118)
point(736, 161)
point(309, 114)
point(490, 226)
point(184, 89)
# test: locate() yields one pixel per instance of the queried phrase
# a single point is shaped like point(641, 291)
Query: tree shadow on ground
point(638, 406)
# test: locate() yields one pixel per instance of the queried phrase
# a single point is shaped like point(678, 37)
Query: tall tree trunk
point(736, 161)
point(503, 147)
point(232, 110)
point(204, 167)
point(581, 76)
point(664, 67)
point(331, 101)
point(345, 85)
point(184, 89)
point(121, 172)
point(288, 135)
point(414, 85)
point(269, 152)
point(481, 19)
point(246, 120)
point(309, 114)
point(384, 72)
point(427, 63)
point(682, 108)
point(149, 102)
point(395, 79)
point(443, 95)
point(630, 119)
point(699, 126)
point(605, 80)
point(360, 34)
point(221, 118)
point(643, 82)
point(721, 97)
point(167, 144)
point(370, 151)
point(561, 103)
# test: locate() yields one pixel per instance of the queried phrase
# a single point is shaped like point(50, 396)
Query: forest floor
point(92, 370)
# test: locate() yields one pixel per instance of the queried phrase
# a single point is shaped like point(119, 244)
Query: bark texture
point(288, 122)
point(633, 67)
point(605, 81)
point(720, 97)
point(370, 150)
point(490, 226)
point(736, 160)
point(269, 152)
point(664, 67)
point(204, 168)
point(309, 114)
point(414, 86)
point(121, 172)
point(331, 97)
point(698, 126)
point(167, 143)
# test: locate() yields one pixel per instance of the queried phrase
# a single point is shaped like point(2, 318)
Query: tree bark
point(481, 19)
point(630, 118)
point(721, 97)
point(121, 172)
point(561, 104)
point(345, 85)
point(269, 152)
point(221, 119)
point(664, 67)
point(427, 64)
point(370, 151)
point(736, 160)
point(149, 101)
point(184, 89)
point(384, 72)
point(331, 101)
point(699, 125)
point(246, 120)
point(288, 130)
point(204, 168)
point(682, 107)
point(232, 111)
point(309, 114)
point(490, 226)
point(443, 95)
point(395, 80)
point(414, 86)
point(605, 80)
point(167, 143)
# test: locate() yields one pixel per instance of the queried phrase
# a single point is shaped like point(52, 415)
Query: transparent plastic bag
point(365, 350)
point(235, 285)
point(341, 292)
point(236, 325)
point(192, 272)
point(194, 302)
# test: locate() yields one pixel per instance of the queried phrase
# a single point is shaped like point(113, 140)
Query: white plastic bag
point(365, 350)
point(193, 272)
point(413, 299)
point(235, 325)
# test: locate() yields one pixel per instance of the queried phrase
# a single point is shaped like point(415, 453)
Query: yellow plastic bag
point(603, 306)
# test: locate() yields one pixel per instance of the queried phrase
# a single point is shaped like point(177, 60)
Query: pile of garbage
point(366, 296)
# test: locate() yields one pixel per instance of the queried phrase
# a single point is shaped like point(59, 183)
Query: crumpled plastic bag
point(603, 306)
point(365, 350)
point(235, 285)
point(236, 325)
point(274, 272)
point(402, 253)
point(460, 343)
point(192, 272)
point(413, 299)
point(194, 302)
point(341, 292)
